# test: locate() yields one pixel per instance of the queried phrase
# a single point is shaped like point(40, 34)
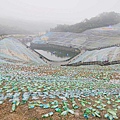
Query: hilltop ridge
point(101, 20)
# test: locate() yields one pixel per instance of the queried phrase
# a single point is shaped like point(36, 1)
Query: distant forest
point(102, 20)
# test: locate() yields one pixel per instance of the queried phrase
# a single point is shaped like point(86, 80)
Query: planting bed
point(30, 92)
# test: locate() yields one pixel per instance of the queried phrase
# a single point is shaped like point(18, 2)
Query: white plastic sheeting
point(109, 54)
point(12, 49)
point(94, 38)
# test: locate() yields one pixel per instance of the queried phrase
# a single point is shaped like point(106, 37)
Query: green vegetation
point(45, 92)
point(102, 20)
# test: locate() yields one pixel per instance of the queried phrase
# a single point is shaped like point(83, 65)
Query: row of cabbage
point(60, 90)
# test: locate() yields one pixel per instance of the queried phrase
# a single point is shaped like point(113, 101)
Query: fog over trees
point(101, 20)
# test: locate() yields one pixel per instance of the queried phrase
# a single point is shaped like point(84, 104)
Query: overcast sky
point(66, 11)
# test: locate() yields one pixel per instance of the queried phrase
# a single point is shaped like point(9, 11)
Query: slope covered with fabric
point(90, 39)
point(12, 50)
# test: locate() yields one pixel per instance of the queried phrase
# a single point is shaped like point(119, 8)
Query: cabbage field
point(30, 92)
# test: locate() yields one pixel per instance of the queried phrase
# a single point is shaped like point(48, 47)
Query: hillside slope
point(91, 39)
point(4, 29)
point(18, 26)
point(11, 50)
point(107, 54)
point(102, 20)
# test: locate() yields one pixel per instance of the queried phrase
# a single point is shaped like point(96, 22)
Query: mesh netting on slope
point(110, 54)
point(13, 48)
point(94, 38)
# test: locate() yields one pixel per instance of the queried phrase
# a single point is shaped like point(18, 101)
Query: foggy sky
point(66, 11)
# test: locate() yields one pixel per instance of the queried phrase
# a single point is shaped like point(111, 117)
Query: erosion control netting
point(65, 92)
point(90, 39)
point(12, 49)
point(106, 54)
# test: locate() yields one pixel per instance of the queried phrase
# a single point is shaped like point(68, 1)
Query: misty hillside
point(102, 20)
point(14, 26)
point(89, 39)
point(4, 29)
